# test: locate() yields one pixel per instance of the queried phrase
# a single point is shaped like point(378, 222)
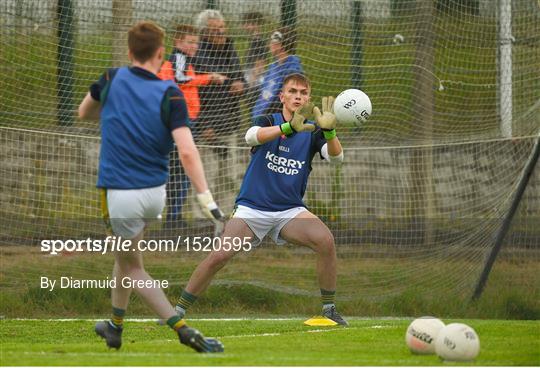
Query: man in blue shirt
point(140, 117)
point(255, 57)
point(282, 45)
point(270, 199)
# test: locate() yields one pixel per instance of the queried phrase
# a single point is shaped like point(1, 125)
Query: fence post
point(64, 66)
point(122, 18)
point(356, 50)
point(422, 191)
point(288, 13)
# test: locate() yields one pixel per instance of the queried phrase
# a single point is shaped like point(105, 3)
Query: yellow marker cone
point(319, 321)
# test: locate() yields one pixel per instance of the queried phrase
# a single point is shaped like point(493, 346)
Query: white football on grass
point(421, 334)
point(457, 342)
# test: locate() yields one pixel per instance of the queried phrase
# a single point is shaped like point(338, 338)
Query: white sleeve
point(251, 136)
point(332, 159)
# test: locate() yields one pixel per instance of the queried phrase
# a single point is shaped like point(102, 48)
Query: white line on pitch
point(201, 319)
point(150, 319)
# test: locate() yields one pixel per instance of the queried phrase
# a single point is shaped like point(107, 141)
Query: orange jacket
point(184, 75)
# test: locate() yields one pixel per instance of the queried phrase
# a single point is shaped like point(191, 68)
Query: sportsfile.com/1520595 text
point(119, 244)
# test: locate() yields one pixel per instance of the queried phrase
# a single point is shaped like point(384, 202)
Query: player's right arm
point(264, 131)
point(90, 107)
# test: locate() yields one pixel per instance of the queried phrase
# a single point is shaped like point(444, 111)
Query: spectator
point(179, 68)
point(282, 46)
point(255, 60)
point(216, 54)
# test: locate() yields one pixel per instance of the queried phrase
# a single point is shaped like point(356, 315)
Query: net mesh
point(426, 181)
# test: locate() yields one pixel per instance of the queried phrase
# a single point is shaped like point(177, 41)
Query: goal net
point(426, 181)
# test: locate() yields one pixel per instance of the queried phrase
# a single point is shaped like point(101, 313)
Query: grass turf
point(256, 342)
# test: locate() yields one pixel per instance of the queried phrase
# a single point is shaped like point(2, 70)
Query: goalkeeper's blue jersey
point(277, 175)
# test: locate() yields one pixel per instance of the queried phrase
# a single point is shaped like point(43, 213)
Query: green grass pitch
point(256, 342)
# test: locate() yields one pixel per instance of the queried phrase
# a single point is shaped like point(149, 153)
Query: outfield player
point(140, 117)
point(270, 199)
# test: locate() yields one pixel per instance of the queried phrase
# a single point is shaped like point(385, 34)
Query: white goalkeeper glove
point(209, 207)
point(327, 119)
point(298, 121)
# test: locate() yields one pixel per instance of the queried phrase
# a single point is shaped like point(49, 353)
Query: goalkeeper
point(270, 199)
point(140, 117)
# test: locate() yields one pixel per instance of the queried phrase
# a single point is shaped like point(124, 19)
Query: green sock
point(186, 300)
point(117, 319)
point(328, 298)
point(176, 322)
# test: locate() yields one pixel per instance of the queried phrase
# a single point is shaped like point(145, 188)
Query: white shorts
point(131, 209)
point(264, 223)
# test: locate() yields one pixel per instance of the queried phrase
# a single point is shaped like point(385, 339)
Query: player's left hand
point(326, 120)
